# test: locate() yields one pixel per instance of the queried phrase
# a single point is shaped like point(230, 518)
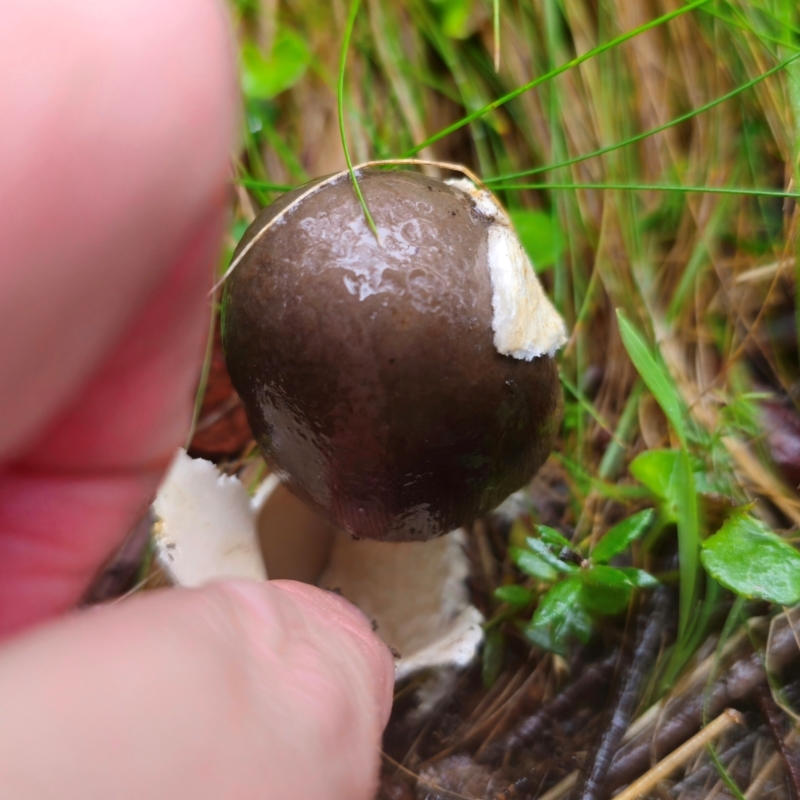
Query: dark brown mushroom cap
point(369, 372)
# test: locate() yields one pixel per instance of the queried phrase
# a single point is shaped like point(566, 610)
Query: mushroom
point(207, 528)
point(400, 385)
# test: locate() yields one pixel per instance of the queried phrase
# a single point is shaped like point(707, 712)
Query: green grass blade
point(348, 33)
point(655, 376)
point(264, 186)
point(688, 548)
point(652, 187)
point(660, 383)
point(575, 62)
point(613, 457)
point(585, 404)
point(723, 773)
point(794, 102)
point(650, 132)
point(496, 26)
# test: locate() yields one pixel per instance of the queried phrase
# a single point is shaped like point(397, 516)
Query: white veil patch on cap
point(524, 321)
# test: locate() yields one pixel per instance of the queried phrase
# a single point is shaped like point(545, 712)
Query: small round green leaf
point(264, 77)
point(657, 469)
point(752, 561)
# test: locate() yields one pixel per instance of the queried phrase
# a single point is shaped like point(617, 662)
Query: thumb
point(238, 690)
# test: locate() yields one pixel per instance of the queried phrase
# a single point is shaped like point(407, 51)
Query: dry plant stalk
point(681, 756)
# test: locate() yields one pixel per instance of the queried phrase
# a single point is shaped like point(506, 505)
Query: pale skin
point(117, 127)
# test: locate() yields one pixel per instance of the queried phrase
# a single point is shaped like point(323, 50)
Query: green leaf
point(752, 561)
point(639, 578)
point(515, 595)
point(606, 590)
point(552, 537)
point(621, 536)
point(544, 552)
point(657, 470)
point(606, 601)
point(532, 565)
point(238, 229)
point(266, 77)
point(687, 517)
point(539, 235)
point(493, 657)
point(519, 532)
point(655, 376)
point(455, 17)
point(561, 617)
point(601, 575)
point(548, 76)
point(669, 476)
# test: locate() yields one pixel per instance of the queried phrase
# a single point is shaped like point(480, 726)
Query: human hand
point(118, 121)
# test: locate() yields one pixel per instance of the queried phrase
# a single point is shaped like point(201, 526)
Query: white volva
point(417, 594)
point(524, 321)
point(208, 528)
point(204, 525)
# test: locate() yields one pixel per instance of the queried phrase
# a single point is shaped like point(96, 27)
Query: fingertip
point(226, 691)
point(331, 610)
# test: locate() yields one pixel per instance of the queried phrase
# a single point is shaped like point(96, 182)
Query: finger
point(125, 113)
point(239, 690)
point(66, 507)
point(118, 121)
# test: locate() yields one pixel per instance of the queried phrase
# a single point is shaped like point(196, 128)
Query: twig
point(594, 678)
point(685, 714)
point(203, 382)
point(680, 756)
point(700, 775)
point(497, 719)
point(764, 774)
point(687, 684)
point(218, 413)
point(562, 787)
point(766, 271)
point(447, 793)
point(652, 620)
point(772, 714)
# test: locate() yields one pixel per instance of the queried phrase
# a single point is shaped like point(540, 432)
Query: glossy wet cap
point(370, 372)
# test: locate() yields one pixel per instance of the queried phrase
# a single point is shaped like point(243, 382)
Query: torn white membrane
point(204, 527)
point(524, 321)
point(415, 593)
